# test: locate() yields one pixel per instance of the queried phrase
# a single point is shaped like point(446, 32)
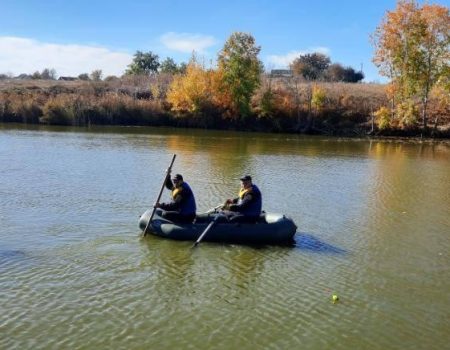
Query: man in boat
point(245, 208)
point(181, 208)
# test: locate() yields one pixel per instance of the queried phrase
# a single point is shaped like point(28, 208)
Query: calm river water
point(373, 223)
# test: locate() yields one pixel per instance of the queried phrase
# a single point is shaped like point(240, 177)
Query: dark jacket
point(183, 200)
point(249, 202)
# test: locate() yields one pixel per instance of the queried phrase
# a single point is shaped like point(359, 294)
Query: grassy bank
point(280, 105)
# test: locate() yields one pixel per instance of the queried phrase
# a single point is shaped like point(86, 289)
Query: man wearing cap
point(247, 206)
point(182, 208)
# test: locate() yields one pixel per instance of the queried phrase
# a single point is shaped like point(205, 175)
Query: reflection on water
point(308, 241)
point(373, 228)
point(8, 257)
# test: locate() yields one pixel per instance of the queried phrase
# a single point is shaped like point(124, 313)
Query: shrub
point(408, 113)
point(58, 111)
point(318, 97)
point(192, 91)
point(383, 118)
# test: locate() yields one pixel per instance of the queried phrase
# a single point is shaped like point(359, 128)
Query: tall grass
point(279, 105)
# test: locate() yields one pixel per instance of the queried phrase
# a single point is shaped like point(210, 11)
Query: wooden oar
point(160, 193)
point(207, 229)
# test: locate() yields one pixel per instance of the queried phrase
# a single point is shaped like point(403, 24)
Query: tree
point(96, 75)
point(240, 69)
point(169, 66)
point(311, 66)
point(352, 76)
point(48, 74)
point(36, 75)
point(191, 92)
point(436, 50)
point(143, 63)
point(266, 98)
point(335, 72)
point(182, 67)
point(412, 46)
point(111, 78)
point(83, 76)
point(382, 116)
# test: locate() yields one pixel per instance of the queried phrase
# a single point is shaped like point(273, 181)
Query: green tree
point(169, 66)
point(311, 66)
point(143, 63)
point(241, 70)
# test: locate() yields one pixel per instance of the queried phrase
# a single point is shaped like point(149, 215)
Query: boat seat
point(204, 218)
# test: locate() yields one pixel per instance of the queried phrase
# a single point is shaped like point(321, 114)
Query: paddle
point(207, 229)
point(160, 193)
point(212, 210)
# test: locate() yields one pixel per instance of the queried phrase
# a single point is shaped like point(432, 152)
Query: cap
point(177, 177)
point(246, 178)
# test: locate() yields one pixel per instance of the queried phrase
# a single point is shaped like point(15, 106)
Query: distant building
point(23, 76)
point(68, 78)
point(281, 73)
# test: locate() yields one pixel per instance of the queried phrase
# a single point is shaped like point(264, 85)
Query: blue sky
point(78, 36)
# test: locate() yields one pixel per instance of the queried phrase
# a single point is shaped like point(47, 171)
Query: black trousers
point(175, 216)
point(235, 217)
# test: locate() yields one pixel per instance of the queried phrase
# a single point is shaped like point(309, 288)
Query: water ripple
point(372, 218)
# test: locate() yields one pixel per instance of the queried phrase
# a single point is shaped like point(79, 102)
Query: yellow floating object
point(335, 298)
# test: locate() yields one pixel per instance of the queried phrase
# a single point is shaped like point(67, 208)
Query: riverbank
point(347, 109)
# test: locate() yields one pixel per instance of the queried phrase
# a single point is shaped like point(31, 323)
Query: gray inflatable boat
point(270, 229)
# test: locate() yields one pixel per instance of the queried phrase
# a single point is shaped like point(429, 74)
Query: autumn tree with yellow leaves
point(412, 49)
point(193, 91)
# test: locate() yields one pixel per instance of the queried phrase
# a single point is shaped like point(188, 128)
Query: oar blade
point(208, 228)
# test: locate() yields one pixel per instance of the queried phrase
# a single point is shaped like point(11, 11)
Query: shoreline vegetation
point(313, 96)
point(347, 110)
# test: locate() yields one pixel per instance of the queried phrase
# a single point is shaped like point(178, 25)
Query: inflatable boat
point(269, 229)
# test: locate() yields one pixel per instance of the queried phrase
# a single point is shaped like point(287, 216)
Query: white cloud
point(283, 61)
point(24, 55)
point(186, 42)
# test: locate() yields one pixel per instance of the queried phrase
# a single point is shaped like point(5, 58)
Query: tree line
point(311, 66)
point(318, 66)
